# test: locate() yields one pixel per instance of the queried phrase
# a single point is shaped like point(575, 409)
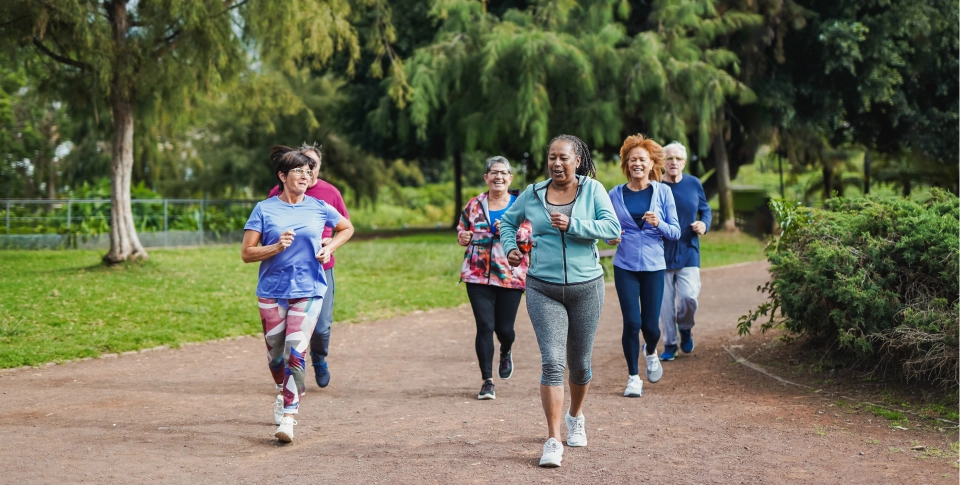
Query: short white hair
point(678, 146)
point(498, 159)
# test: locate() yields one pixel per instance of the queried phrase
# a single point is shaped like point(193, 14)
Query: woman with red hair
point(648, 215)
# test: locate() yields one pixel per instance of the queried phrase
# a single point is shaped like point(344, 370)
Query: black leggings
point(495, 309)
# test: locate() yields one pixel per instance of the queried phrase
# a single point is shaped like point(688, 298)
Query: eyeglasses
point(675, 158)
point(499, 172)
point(303, 172)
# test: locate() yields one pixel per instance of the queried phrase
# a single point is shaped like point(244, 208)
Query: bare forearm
point(340, 238)
point(252, 254)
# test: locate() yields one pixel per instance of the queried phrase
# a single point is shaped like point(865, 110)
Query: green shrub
point(877, 277)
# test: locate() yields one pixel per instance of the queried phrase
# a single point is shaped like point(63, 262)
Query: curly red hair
point(652, 147)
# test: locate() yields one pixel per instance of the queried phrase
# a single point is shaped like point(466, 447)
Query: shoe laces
point(578, 424)
point(653, 362)
point(551, 446)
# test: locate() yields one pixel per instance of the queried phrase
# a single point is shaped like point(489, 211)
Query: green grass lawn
point(59, 305)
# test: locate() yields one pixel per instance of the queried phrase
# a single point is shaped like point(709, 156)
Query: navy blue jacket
point(691, 202)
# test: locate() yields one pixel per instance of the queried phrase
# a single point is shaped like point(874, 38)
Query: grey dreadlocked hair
point(587, 166)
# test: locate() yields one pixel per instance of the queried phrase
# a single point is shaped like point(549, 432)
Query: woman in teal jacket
point(568, 213)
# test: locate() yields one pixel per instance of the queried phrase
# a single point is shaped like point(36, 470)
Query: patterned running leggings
point(287, 327)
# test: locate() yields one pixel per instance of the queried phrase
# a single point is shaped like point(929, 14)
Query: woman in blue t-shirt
point(291, 283)
point(648, 215)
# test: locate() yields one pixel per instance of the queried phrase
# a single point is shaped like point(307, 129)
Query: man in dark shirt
point(681, 280)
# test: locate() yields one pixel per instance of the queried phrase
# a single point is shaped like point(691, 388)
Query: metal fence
point(85, 223)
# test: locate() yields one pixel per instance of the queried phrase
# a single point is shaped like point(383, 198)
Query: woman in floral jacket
point(494, 287)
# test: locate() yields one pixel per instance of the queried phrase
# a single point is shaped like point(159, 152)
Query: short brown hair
point(652, 147)
point(285, 159)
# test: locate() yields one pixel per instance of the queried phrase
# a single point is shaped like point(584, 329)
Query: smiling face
point(562, 162)
point(498, 178)
point(639, 165)
point(675, 160)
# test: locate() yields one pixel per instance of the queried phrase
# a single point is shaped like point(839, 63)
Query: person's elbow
point(246, 256)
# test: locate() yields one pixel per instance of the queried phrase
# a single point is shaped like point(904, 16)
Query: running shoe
point(322, 373)
point(576, 430)
point(552, 453)
point(669, 352)
point(506, 365)
point(278, 409)
point(634, 387)
point(686, 341)
point(654, 370)
point(285, 430)
point(487, 392)
point(279, 387)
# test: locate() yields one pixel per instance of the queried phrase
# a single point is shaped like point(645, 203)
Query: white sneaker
point(278, 387)
point(552, 453)
point(278, 409)
point(654, 369)
point(634, 387)
point(576, 430)
point(285, 431)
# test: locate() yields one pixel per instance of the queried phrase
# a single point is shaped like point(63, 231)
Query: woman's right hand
point(515, 258)
point(286, 239)
point(614, 242)
point(465, 237)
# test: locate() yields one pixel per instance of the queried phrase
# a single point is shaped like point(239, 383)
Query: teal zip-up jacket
point(563, 257)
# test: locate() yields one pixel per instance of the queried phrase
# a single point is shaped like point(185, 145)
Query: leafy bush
point(875, 276)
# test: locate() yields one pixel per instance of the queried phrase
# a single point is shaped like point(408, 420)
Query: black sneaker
point(506, 365)
point(487, 392)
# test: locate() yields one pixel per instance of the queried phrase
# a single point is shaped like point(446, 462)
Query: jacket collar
point(621, 207)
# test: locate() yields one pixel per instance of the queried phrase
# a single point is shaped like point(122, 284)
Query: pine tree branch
point(60, 58)
point(233, 7)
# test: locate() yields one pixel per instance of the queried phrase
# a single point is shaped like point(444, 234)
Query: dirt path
point(401, 409)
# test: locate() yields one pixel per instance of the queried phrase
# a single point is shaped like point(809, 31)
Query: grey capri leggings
point(565, 319)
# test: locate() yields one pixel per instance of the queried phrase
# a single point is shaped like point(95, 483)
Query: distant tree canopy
point(188, 96)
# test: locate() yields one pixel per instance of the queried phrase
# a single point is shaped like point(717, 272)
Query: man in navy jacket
point(682, 277)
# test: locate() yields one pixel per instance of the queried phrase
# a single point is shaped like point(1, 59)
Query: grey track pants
point(565, 319)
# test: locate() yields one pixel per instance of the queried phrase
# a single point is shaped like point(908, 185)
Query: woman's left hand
point(324, 255)
point(560, 221)
point(651, 218)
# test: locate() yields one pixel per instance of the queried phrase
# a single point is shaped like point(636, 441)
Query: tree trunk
point(827, 180)
point(724, 192)
point(124, 243)
point(866, 172)
point(457, 186)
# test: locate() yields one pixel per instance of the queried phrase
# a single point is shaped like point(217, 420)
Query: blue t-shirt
point(295, 271)
point(498, 214)
point(638, 203)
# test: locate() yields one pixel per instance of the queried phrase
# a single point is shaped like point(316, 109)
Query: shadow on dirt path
point(402, 408)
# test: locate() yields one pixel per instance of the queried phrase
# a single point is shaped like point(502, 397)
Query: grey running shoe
point(654, 369)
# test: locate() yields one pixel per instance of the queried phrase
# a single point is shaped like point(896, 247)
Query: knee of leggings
point(276, 363)
point(581, 377)
point(552, 374)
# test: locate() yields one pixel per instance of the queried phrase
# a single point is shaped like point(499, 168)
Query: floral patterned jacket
point(484, 261)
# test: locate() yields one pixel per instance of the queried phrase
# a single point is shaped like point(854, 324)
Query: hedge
point(876, 277)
